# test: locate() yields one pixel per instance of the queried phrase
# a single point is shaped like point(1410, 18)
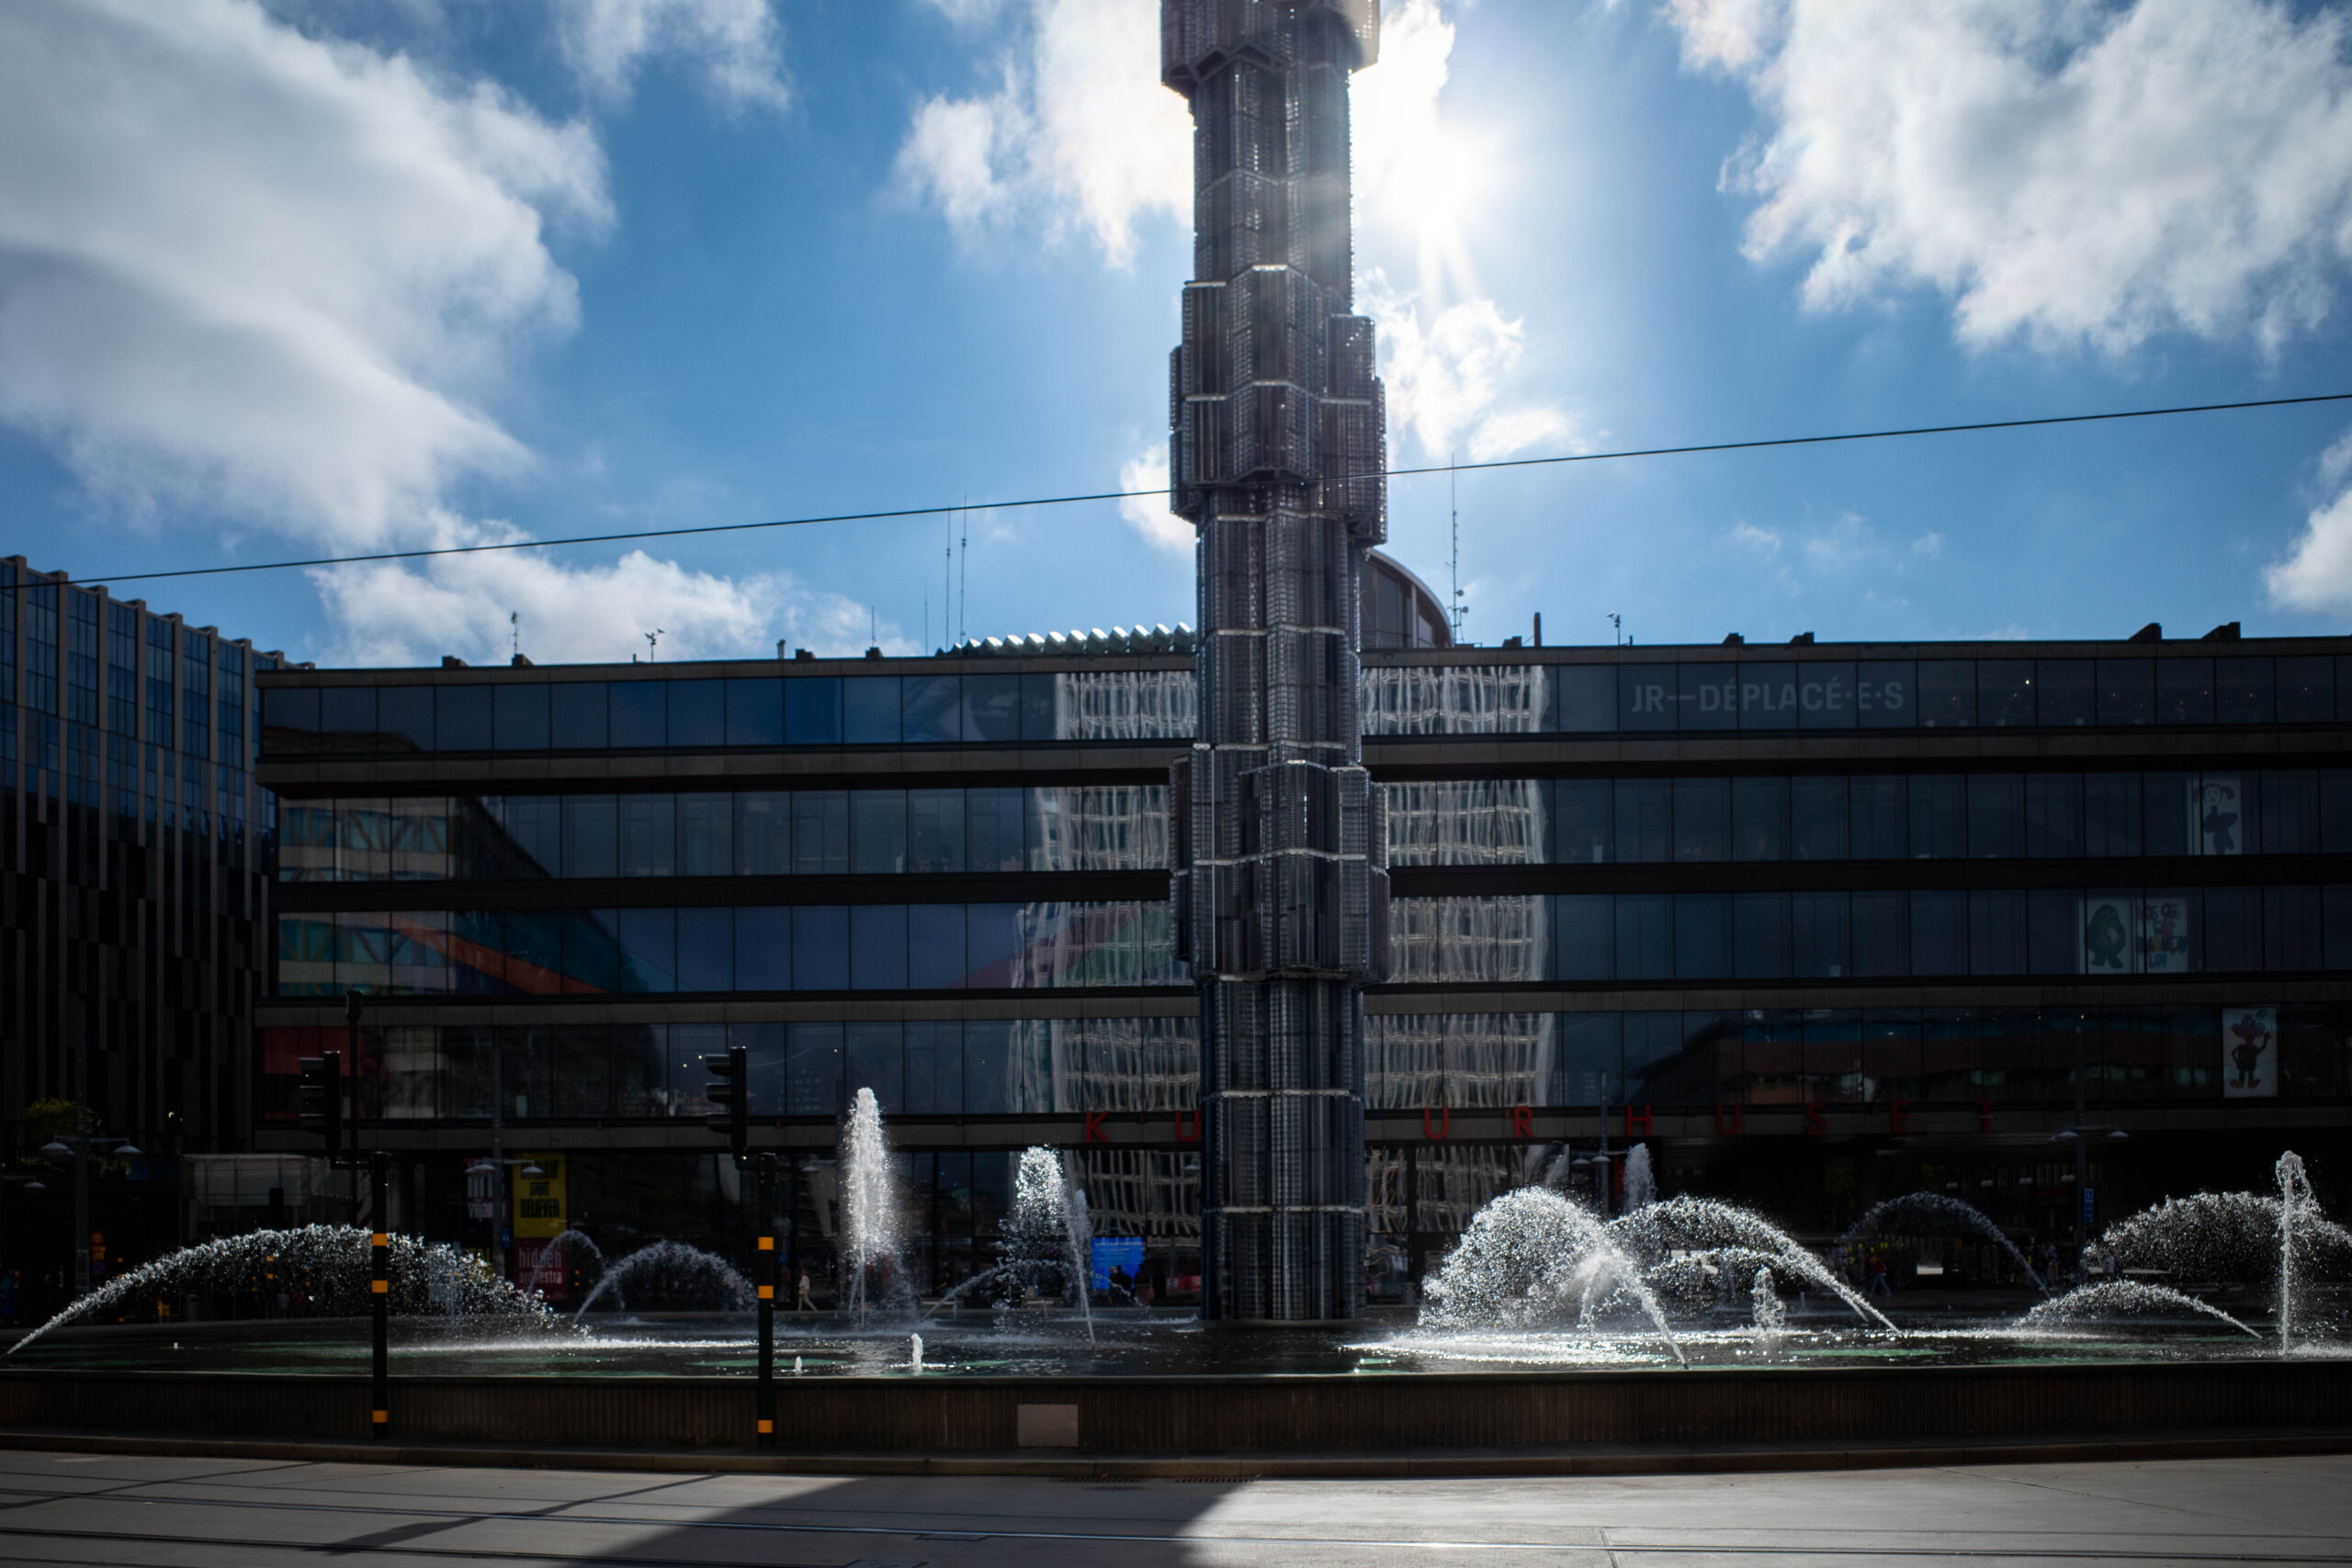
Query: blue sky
point(296, 280)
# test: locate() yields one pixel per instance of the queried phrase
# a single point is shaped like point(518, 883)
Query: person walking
point(802, 1303)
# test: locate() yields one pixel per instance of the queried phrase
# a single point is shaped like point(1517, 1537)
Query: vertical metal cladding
point(1279, 845)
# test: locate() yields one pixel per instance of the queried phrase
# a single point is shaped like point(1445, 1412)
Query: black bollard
point(768, 1275)
point(380, 1285)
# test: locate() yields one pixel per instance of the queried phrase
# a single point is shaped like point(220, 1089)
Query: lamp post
point(2079, 1133)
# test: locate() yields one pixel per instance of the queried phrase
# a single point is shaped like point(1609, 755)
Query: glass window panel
point(1767, 696)
point(1038, 707)
point(2168, 931)
point(1707, 696)
point(520, 716)
point(878, 832)
point(591, 835)
point(576, 717)
point(1773, 1057)
point(1759, 818)
point(764, 1055)
point(993, 839)
point(1938, 934)
point(934, 1070)
point(697, 713)
point(591, 952)
point(820, 832)
point(764, 949)
point(2242, 692)
point(1582, 810)
point(1996, 931)
point(870, 715)
point(2234, 929)
point(1585, 930)
point(1882, 817)
point(1825, 696)
point(2305, 687)
point(763, 833)
point(2065, 693)
point(2184, 691)
point(1760, 937)
point(640, 714)
point(2169, 824)
point(992, 707)
point(820, 948)
point(812, 711)
point(812, 1069)
point(282, 707)
point(1644, 936)
point(707, 950)
point(2310, 1048)
point(2289, 816)
point(351, 711)
point(987, 1067)
point(935, 831)
point(1950, 1050)
point(2336, 909)
point(1647, 696)
point(1947, 693)
point(1817, 818)
point(2110, 927)
point(706, 835)
point(2053, 932)
point(1591, 1060)
point(2054, 816)
point(401, 713)
point(935, 938)
point(1653, 1051)
point(1882, 928)
point(1938, 820)
point(1702, 819)
point(649, 950)
point(1885, 697)
point(755, 711)
point(1701, 936)
point(932, 709)
point(1644, 816)
point(1995, 816)
point(2335, 811)
point(1586, 698)
point(649, 835)
point(2112, 814)
point(1819, 941)
point(876, 1060)
point(462, 718)
point(2192, 1052)
point(877, 947)
point(419, 953)
point(2127, 690)
point(2004, 692)
point(2290, 931)
point(992, 945)
point(1833, 1056)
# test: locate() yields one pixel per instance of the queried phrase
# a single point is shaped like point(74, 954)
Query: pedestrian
point(802, 1304)
point(1878, 1274)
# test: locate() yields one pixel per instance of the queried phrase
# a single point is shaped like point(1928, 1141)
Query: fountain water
point(329, 1266)
point(869, 1209)
point(1048, 1235)
point(1771, 1313)
point(1641, 1182)
point(1932, 1214)
point(670, 1274)
point(556, 1256)
point(914, 1354)
point(2297, 1210)
point(1525, 1257)
point(2118, 1298)
point(1078, 1235)
point(1675, 1224)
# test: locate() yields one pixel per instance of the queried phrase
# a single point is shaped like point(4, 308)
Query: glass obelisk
point(1280, 894)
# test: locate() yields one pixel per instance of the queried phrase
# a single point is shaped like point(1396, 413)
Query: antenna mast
point(1452, 482)
point(964, 571)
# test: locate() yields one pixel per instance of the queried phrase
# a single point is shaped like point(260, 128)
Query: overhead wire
point(893, 513)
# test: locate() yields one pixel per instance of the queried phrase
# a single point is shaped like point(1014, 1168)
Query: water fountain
point(671, 1276)
point(1771, 1313)
point(1047, 1236)
point(327, 1268)
point(1641, 1181)
point(556, 1256)
point(1654, 1234)
point(2113, 1298)
point(914, 1354)
point(1933, 1214)
point(869, 1211)
point(1525, 1257)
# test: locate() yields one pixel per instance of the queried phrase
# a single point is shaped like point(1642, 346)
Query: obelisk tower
point(1280, 894)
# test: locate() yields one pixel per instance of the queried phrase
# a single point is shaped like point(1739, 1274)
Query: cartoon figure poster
point(2218, 815)
point(2249, 1052)
point(2165, 935)
point(2109, 935)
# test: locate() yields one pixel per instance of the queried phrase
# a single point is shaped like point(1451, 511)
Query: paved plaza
point(217, 1513)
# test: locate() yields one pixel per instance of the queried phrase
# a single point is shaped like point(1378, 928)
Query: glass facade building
point(1811, 960)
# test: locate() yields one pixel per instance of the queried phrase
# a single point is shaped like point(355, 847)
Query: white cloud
point(1755, 538)
point(2069, 172)
point(964, 12)
point(280, 279)
point(2317, 573)
point(1078, 136)
point(1149, 514)
point(735, 42)
point(1447, 380)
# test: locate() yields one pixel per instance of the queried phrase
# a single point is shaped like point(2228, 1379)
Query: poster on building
point(2164, 934)
point(2217, 815)
point(538, 1220)
point(2249, 1052)
point(2110, 932)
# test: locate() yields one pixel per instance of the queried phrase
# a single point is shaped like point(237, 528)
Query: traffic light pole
point(769, 1275)
point(380, 1286)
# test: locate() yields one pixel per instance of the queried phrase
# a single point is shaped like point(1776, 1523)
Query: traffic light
point(321, 1099)
point(731, 1090)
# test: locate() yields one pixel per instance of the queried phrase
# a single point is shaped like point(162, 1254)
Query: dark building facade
point(1817, 924)
point(135, 879)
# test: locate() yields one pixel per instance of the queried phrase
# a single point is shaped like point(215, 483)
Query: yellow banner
point(538, 1200)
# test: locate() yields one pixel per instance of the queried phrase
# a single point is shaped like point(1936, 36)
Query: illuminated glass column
point(1277, 848)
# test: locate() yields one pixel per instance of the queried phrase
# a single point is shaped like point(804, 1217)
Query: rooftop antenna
point(871, 640)
point(926, 609)
point(1617, 623)
point(653, 644)
point(1454, 526)
point(947, 584)
point(964, 574)
point(514, 623)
